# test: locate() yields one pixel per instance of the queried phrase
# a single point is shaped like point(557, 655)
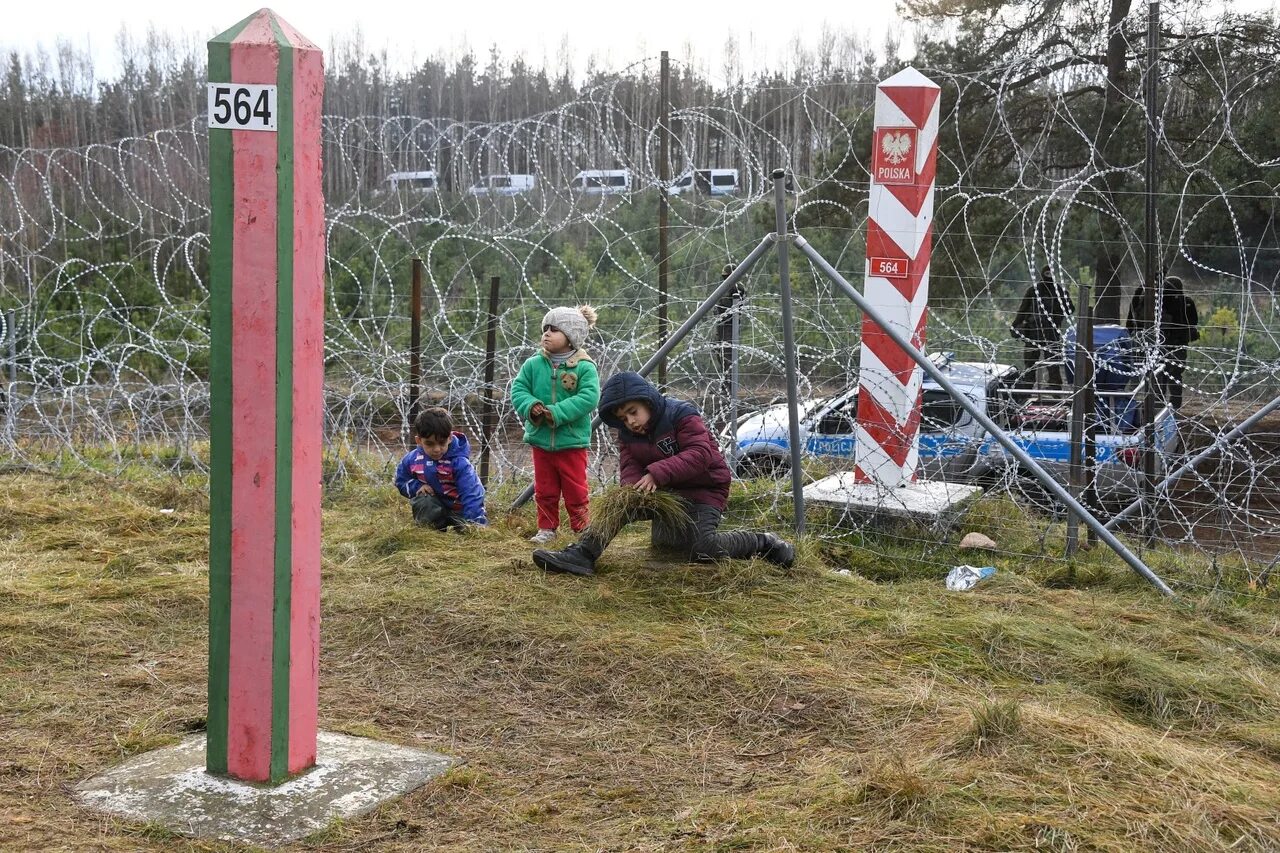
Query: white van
point(421, 181)
point(602, 181)
point(707, 181)
point(508, 184)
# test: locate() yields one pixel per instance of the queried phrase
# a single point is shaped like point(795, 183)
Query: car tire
point(763, 466)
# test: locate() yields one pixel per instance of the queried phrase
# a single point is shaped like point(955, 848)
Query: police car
point(951, 441)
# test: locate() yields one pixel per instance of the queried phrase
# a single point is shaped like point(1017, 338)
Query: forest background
point(1037, 97)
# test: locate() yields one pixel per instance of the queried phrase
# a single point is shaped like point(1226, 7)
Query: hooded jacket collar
point(624, 387)
point(664, 412)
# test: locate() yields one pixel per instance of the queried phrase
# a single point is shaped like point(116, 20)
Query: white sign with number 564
point(242, 106)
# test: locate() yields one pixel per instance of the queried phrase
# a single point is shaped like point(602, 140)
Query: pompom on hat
point(574, 322)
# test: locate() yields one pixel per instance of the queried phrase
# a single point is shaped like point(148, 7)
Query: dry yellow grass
point(657, 706)
point(611, 509)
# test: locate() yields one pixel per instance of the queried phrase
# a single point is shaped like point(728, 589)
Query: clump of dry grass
point(611, 510)
point(993, 725)
point(897, 790)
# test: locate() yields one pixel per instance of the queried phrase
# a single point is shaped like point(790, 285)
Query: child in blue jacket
point(437, 476)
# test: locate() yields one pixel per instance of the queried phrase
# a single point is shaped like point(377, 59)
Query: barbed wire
point(104, 282)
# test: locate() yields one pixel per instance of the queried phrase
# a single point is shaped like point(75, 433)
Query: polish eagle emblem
point(895, 146)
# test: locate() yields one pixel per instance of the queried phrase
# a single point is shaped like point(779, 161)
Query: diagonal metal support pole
point(687, 326)
point(981, 417)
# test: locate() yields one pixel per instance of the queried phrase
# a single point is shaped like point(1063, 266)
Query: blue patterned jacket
point(453, 479)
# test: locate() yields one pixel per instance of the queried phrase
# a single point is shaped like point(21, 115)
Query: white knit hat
point(574, 322)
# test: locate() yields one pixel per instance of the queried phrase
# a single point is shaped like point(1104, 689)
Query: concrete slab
point(170, 787)
point(924, 502)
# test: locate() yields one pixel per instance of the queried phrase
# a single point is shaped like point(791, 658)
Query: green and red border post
point(267, 387)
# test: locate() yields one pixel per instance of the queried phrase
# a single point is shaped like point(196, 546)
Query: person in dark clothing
point(437, 476)
point(664, 444)
point(1179, 325)
point(1038, 324)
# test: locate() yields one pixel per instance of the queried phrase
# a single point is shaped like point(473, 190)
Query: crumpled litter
point(966, 577)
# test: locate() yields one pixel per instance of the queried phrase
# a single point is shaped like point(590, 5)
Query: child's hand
point(646, 484)
point(548, 416)
point(537, 411)
point(424, 489)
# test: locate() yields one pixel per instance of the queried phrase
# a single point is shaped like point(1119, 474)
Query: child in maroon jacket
point(664, 444)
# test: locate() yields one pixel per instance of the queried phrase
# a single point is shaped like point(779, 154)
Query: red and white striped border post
point(899, 230)
point(266, 386)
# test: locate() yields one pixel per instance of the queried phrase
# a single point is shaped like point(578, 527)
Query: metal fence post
point(1082, 376)
point(11, 328)
point(735, 331)
point(415, 344)
point(1155, 282)
point(490, 359)
point(789, 347)
point(11, 335)
point(1090, 460)
point(724, 323)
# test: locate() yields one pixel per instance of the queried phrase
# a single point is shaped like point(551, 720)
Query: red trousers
point(556, 473)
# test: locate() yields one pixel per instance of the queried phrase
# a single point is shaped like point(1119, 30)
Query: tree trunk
point(1109, 257)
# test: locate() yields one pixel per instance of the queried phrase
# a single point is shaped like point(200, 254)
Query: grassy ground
point(658, 706)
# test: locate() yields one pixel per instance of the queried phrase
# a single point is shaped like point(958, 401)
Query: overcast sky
point(616, 34)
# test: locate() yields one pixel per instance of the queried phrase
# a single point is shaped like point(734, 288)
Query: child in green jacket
point(556, 393)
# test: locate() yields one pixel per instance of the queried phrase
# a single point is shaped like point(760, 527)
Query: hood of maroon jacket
point(677, 451)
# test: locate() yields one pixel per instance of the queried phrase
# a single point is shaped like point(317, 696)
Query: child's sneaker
point(542, 536)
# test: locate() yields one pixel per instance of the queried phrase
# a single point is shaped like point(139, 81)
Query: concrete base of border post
point(169, 787)
point(930, 504)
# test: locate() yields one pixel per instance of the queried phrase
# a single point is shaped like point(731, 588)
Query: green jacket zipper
point(555, 380)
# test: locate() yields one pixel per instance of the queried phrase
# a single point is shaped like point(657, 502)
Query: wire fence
point(104, 275)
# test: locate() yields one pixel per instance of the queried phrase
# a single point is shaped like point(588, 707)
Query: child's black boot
point(574, 560)
point(777, 550)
